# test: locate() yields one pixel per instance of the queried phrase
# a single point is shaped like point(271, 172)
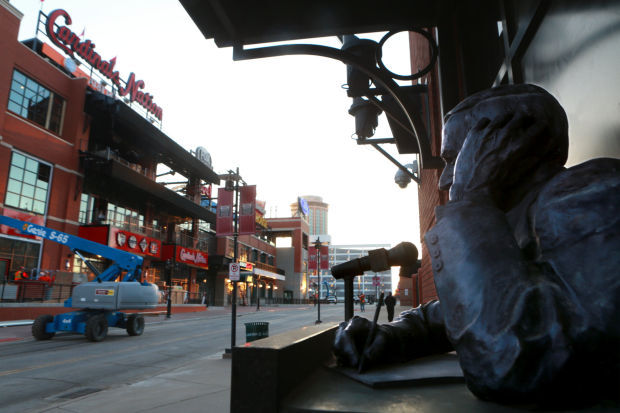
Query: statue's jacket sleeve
point(524, 328)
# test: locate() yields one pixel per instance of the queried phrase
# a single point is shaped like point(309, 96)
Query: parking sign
point(233, 273)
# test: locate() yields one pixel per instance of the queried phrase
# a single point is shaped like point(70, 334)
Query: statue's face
point(454, 133)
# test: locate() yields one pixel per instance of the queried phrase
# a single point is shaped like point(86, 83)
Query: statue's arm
point(416, 333)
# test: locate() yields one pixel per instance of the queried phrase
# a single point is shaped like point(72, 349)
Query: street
point(38, 374)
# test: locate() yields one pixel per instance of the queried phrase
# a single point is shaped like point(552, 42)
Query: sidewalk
point(199, 386)
point(202, 386)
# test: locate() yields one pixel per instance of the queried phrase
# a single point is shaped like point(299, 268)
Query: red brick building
point(39, 148)
point(294, 259)
point(80, 153)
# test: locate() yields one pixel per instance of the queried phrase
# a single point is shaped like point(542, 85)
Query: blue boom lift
point(98, 300)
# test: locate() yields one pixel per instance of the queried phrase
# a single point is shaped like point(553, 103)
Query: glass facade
point(33, 101)
point(317, 220)
point(365, 283)
point(28, 184)
point(19, 254)
point(124, 217)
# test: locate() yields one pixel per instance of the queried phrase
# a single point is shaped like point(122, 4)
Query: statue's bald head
point(550, 145)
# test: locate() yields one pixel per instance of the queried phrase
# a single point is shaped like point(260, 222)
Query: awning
point(118, 181)
point(268, 274)
point(112, 115)
point(252, 22)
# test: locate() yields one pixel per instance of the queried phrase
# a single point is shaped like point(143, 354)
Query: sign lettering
point(71, 44)
point(193, 256)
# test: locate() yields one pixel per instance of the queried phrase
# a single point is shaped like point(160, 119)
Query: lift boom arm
point(122, 261)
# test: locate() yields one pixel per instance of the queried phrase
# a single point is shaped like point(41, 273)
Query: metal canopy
point(239, 23)
point(246, 22)
point(118, 181)
point(148, 140)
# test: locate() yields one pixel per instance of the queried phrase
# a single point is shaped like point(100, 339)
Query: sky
point(283, 121)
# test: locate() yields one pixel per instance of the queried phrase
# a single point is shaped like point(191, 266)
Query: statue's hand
point(496, 153)
point(350, 340)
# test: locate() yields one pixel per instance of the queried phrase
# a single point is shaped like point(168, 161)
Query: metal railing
point(181, 237)
point(184, 239)
point(22, 291)
point(270, 268)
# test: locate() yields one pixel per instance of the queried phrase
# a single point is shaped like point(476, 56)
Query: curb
point(16, 323)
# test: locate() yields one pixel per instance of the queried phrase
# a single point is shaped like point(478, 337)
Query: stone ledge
point(265, 371)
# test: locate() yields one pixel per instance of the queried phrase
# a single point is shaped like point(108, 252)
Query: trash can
point(256, 331)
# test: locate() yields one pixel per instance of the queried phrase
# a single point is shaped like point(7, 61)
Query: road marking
point(3, 340)
point(78, 359)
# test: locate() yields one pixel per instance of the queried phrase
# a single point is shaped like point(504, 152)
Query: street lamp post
point(169, 265)
point(232, 184)
point(317, 246)
point(257, 294)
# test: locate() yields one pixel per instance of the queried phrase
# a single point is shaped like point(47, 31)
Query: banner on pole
point(311, 258)
point(224, 219)
point(247, 210)
point(324, 257)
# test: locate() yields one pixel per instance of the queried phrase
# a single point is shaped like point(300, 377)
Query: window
point(33, 101)
point(126, 218)
point(20, 254)
point(28, 184)
point(86, 209)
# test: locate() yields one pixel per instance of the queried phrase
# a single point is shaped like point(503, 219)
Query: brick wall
point(25, 136)
point(429, 195)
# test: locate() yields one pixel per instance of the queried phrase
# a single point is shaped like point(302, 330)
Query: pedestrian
point(362, 302)
point(44, 277)
point(390, 302)
point(21, 274)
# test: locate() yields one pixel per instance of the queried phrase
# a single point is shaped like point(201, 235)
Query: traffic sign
point(234, 270)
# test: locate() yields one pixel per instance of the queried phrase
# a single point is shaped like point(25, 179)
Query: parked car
point(332, 299)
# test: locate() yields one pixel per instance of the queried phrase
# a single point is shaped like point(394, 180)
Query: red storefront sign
point(187, 256)
point(122, 240)
point(247, 210)
point(224, 219)
point(22, 216)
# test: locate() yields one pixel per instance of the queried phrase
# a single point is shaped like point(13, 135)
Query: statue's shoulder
point(579, 201)
point(596, 175)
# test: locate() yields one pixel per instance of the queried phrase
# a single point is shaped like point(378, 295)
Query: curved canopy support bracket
point(381, 77)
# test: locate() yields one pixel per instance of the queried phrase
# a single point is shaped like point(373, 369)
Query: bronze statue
point(526, 258)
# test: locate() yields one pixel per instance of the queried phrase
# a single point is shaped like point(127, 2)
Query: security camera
point(401, 178)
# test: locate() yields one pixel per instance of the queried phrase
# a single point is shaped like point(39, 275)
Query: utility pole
point(257, 295)
point(169, 265)
point(317, 246)
point(235, 259)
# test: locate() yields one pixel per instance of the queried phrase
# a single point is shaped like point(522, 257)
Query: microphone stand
point(348, 298)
